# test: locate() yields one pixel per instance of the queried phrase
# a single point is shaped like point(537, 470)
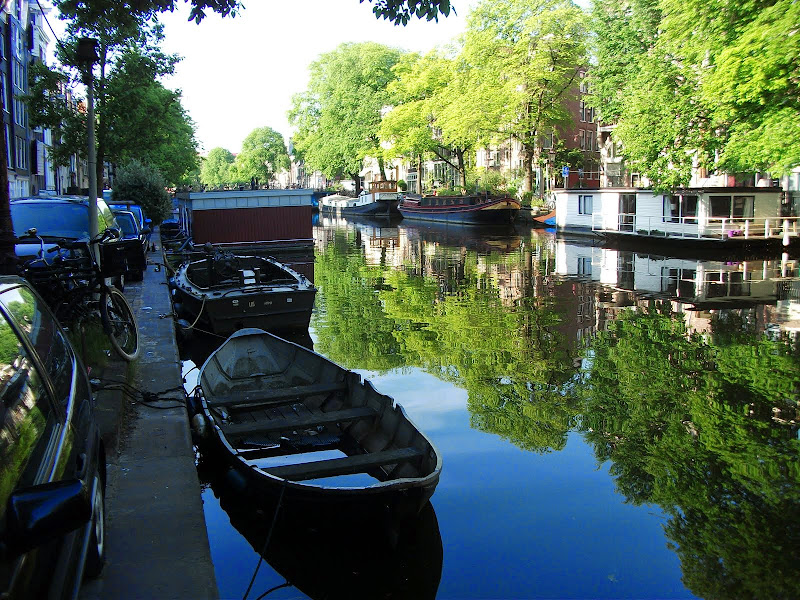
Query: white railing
point(711, 228)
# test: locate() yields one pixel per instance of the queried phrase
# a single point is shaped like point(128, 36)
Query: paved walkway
point(156, 539)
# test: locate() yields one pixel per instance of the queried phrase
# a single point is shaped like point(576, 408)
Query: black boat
point(293, 424)
point(475, 209)
point(225, 292)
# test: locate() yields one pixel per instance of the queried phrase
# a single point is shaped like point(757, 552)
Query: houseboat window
point(584, 205)
point(720, 206)
point(585, 265)
point(742, 207)
point(738, 207)
point(680, 209)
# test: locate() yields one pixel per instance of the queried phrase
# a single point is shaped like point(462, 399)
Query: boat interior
point(226, 270)
point(297, 416)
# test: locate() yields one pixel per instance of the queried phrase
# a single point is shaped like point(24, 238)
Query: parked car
point(57, 218)
point(141, 218)
point(52, 460)
point(134, 241)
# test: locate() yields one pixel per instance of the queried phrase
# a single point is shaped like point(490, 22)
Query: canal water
point(613, 424)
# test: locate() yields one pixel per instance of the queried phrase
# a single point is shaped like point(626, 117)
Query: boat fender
point(235, 481)
point(200, 426)
point(184, 328)
point(172, 284)
point(177, 308)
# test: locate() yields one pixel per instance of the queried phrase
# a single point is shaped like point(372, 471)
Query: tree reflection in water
point(703, 425)
point(708, 430)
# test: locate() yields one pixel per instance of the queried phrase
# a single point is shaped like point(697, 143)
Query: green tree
point(146, 121)
point(216, 167)
point(426, 87)
point(523, 60)
point(338, 118)
point(699, 82)
point(263, 156)
point(142, 184)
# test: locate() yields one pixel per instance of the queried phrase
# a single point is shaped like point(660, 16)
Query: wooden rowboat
point(294, 424)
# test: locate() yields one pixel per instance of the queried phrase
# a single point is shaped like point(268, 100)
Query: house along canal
point(612, 424)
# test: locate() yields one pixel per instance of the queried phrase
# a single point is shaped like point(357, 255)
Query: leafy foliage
point(216, 167)
point(523, 59)
point(263, 156)
point(338, 118)
point(142, 184)
point(146, 121)
point(700, 82)
point(690, 426)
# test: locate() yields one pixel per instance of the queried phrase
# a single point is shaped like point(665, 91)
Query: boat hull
point(282, 402)
point(465, 210)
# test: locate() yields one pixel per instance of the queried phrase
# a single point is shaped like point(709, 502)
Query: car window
point(47, 338)
point(28, 429)
point(127, 224)
point(57, 220)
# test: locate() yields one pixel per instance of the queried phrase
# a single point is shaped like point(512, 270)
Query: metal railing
point(711, 228)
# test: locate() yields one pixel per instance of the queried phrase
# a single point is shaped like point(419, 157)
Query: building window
point(20, 112)
point(4, 91)
point(547, 141)
point(590, 140)
point(583, 111)
point(736, 207)
point(20, 148)
point(18, 74)
point(582, 138)
point(584, 205)
point(585, 264)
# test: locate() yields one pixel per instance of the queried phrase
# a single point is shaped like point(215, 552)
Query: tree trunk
point(462, 169)
point(357, 180)
point(382, 168)
point(8, 259)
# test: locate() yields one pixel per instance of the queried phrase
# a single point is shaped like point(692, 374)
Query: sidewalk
point(156, 541)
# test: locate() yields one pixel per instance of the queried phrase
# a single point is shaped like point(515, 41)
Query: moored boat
point(293, 424)
point(380, 200)
point(224, 292)
point(475, 209)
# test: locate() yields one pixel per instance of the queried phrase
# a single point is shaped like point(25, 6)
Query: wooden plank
point(300, 422)
point(274, 395)
point(344, 466)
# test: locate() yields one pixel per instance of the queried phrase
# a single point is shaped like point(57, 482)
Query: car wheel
point(96, 554)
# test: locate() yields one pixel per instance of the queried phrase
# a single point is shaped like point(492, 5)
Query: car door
point(42, 439)
point(30, 431)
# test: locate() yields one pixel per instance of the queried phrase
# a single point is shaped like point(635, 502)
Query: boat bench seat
point(344, 466)
point(300, 422)
point(274, 396)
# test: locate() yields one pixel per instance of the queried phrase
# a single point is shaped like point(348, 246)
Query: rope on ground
point(138, 396)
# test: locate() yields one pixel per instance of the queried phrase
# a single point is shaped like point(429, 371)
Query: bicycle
point(75, 288)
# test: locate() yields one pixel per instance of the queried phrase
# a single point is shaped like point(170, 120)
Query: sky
point(240, 74)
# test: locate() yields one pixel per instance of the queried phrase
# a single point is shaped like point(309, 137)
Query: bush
point(402, 185)
point(144, 185)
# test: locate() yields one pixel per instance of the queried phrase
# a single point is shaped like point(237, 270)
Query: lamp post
point(87, 56)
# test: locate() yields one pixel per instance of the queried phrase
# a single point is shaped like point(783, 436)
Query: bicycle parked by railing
point(75, 287)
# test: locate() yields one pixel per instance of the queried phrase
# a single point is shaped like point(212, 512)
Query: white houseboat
point(720, 216)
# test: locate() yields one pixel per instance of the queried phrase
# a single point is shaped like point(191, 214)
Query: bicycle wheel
point(119, 324)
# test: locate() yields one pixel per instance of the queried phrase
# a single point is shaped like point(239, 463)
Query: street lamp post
point(87, 56)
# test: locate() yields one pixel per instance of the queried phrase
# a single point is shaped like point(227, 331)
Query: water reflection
point(613, 423)
point(681, 375)
point(326, 557)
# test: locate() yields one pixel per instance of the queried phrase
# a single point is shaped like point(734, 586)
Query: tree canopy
point(263, 156)
point(338, 118)
point(142, 184)
point(215, 170)
point(523, 59)
point(700, 83)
